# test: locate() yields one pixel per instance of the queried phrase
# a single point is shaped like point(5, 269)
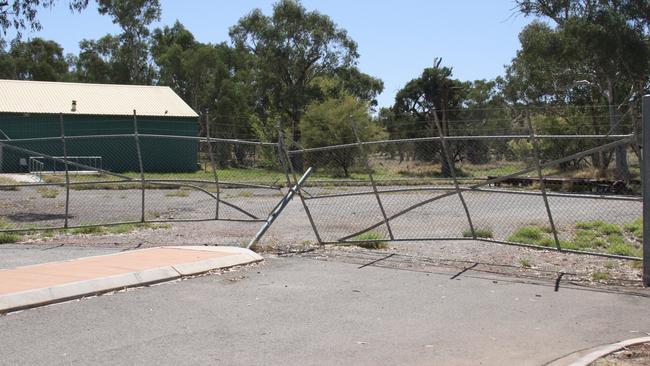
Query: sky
point(397, 39)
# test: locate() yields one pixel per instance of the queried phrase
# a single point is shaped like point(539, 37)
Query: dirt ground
point(638, 355)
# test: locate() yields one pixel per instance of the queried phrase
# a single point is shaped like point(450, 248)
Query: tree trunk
point(446, 160)
point(622, 169)
point(297, 160)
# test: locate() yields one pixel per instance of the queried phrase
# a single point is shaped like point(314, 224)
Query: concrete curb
point(585, 357)
point(74, 290)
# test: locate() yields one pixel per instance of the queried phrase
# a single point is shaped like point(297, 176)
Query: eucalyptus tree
point(291, 48)
point(598, 50)
point(37, 59)
point(134, 17)
point(433, 99)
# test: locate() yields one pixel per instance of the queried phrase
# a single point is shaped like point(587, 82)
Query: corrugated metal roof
point(18, 96)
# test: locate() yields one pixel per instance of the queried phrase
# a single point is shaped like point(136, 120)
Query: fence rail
point(437, 187)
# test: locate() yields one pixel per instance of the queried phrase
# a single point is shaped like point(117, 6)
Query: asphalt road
point(302, 311)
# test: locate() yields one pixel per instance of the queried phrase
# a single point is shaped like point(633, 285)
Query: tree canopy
point(582, 66)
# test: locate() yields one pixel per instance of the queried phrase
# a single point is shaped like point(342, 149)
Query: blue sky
point(397, 39)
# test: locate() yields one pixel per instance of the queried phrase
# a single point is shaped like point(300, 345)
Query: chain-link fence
point(483, 180)
point(532, 182)
point(129, 170)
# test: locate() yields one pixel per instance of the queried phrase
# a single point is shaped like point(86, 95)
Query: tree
point(22, 14)
point(100, 62)
point(604, 47)
point(169, 48)
point(360, 85)
point(291, 48)
point(433, 100)
point(133, 16)
point(330, 123)
point(37, 59)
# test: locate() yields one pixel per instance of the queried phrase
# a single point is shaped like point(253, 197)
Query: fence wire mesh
point(477, 177)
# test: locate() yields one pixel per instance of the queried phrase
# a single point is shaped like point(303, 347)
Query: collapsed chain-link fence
point(451, 180)
point(469, 180)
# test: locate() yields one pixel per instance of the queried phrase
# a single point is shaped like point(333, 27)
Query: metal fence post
point(139, 151)
point(364, 156)
point(542, 185)
point(67, 173)
point(646, 190)
point(212, 163)
point(452, 171)
point(287, 165)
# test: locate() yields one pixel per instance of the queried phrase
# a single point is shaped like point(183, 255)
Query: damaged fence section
point(530, 184)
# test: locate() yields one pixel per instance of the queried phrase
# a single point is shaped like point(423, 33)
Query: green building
point(98, 120)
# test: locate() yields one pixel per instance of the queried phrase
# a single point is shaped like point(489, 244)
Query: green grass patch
point(480, 233)
point(7, 238)
point(624, 249)
point(88, 230)
point(600, 226)
point(595, 235)
point(635, 229)
point(117, 229)
point(46, 192)
point(600, 276)
point(372, 240)
point(525, 263)
point(4, 224)
point(532, 234)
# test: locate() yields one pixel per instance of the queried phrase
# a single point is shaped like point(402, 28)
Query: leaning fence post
point(139, 151)
point(67, 174)
point(542, 185)
point(364, 156)
point(452, 171)
point(287, 165)
point(646, 190)
point(212, 163)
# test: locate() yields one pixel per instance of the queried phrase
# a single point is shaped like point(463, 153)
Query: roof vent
point(74, 106)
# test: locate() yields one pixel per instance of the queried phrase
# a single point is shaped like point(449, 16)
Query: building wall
point(118, 153)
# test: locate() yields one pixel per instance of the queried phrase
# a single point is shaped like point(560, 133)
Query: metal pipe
point(542, 186)
point(646, 190)
point(333, 147)
point(452, 171)
point(129, 135)
point(216, 139)
point(477, 137)
point(498, 191)
point(214, 166)
point(364, 156)
point(494, 241)
point(279, 208)
point(141, 165)
point(67, 173)
point(287, 164)
point(606, 255)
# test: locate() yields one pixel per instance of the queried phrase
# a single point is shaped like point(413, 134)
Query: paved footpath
point(300, 311)
point(40, 284)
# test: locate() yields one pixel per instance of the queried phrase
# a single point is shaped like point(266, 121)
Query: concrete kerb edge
point(586, 357)
point(76, 290)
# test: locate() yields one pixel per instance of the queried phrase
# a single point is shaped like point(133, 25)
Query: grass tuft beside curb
point(373, 240)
